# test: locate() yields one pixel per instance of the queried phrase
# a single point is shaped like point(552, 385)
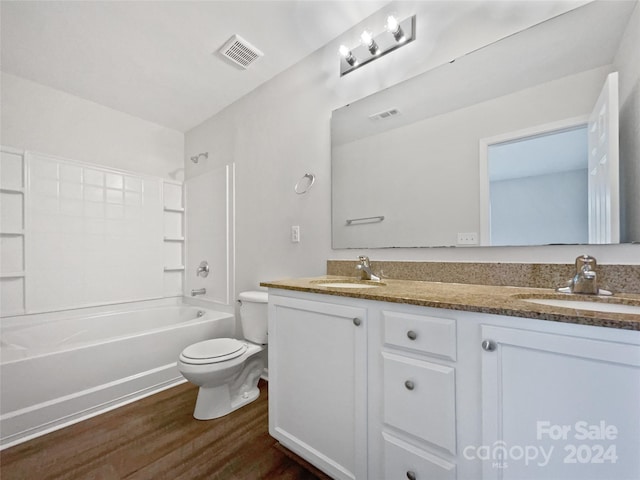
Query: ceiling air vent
point(240, 52)
point(386, 114)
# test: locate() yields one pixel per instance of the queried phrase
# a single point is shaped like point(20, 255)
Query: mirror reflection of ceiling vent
point(240, 52)
point(386, 114)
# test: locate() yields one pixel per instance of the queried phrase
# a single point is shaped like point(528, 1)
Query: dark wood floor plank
point(158, 438)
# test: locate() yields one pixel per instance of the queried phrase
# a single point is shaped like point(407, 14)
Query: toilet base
point(216, 402)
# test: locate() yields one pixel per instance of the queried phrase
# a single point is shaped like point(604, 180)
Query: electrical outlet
point(295, 233)
point(470, 238)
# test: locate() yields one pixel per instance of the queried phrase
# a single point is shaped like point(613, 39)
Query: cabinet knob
point(357, 322)
point(409, 385)
point(412, 335)
point(411, 475)
point(489, 345)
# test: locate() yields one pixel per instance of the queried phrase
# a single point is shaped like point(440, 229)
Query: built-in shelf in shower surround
point(12, 203)
point(173, 201)
point(77, 234)
point(12, 190)
point(11, 274)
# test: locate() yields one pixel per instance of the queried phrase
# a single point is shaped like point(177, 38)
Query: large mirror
point(516, 143)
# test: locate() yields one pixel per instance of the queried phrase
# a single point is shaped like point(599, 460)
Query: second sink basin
point(587, 305)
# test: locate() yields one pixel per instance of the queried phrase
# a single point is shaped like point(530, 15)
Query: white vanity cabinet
point(561, 405)
point(317, 383)
point(416, 393)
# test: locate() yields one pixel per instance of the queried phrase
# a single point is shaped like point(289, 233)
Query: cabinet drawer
point(431, 335)
point(404, 461)
point(419, 398)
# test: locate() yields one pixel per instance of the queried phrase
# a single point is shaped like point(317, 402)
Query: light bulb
point(348, 56)
point(369, 42)
point(392, 24)
point(366, 38)
point(393, 27)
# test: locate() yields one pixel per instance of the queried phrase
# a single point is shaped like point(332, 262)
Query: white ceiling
point(157, 60)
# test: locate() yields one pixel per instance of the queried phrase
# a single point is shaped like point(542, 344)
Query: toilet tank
point(253, 316)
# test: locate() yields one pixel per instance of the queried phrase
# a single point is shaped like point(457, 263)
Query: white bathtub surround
point(75, 234)
point(210, 227)
point(60, 368)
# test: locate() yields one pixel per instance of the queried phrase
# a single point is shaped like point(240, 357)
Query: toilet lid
point(213, 351)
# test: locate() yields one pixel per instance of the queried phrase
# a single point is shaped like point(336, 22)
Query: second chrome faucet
point(585, 280)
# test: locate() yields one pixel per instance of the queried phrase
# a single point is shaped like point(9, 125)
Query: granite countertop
point(497, 300)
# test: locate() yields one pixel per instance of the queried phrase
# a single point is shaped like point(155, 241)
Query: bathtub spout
point(199, 291)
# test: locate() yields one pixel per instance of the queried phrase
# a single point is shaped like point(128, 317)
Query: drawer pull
point(411, 475)
point(409, 385)
point(412, 335)
point(357, 322)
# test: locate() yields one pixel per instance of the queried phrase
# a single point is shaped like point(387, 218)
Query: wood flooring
point(158, 438)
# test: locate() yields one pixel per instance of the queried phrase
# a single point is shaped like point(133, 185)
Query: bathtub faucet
point(199, 291)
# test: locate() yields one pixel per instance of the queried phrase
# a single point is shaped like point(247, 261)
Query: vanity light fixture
point(396, 34)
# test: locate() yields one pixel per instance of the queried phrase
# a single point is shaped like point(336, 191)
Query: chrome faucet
point(585, 281)
point(364, 268)
point(199, 291)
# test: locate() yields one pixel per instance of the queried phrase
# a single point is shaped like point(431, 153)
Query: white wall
point(537, 210)
point(45, 120)
point(280, 131)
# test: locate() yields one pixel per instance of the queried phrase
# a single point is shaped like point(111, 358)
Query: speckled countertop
point(497, 300)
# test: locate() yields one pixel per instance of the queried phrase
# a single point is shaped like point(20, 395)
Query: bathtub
point(60, 368)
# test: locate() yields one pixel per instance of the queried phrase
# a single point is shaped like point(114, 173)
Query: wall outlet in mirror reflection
point(469, 238)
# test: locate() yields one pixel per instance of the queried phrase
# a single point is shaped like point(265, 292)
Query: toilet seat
point(213, 351)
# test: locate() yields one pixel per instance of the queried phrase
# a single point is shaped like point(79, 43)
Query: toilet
point(227, 370)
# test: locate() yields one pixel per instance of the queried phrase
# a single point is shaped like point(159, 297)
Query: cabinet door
point(558, 406)
point(317, 383)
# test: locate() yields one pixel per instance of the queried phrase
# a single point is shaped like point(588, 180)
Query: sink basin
point(587, 305)
point(348, 283)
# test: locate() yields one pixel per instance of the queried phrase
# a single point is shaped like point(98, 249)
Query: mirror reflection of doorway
point(554, 184)
point(539, 189)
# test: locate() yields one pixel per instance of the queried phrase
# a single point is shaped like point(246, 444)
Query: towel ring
point(300, 188)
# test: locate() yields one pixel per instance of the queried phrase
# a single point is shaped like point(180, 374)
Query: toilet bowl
point(227, 370)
